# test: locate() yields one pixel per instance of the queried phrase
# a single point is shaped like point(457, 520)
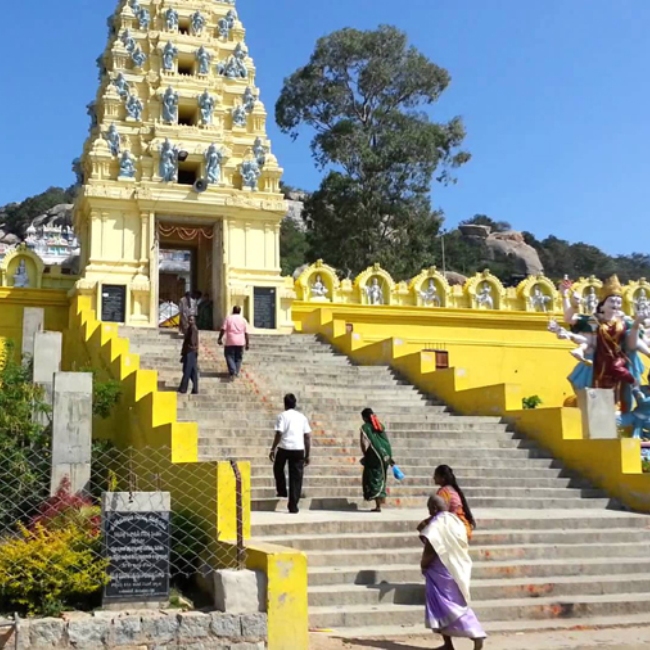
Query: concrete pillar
point(598, 413)
point(33, 318)
point(72, 415)
point(48, 348)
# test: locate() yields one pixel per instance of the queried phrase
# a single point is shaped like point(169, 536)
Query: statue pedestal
point(598, 413)
point(318, 299)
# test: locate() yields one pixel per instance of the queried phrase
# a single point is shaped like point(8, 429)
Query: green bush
point(189, 540)
point(45, 571)
point(531, 402)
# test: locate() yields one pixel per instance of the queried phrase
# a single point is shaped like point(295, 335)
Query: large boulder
point(455, 278)
point(59, 215)
point(511, 244)
point(474, 231)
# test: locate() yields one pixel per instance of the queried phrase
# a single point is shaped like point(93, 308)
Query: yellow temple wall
point(12, 306)
point(497, 357)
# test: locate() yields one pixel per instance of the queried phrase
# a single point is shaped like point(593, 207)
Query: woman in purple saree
point(447, 569)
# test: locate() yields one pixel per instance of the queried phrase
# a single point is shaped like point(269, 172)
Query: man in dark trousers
point(190, 358)
point(235, 329)
point(292, 445)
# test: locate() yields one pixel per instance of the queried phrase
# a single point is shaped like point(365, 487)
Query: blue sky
point(554, 94)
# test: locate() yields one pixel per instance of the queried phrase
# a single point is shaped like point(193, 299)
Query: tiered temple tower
point(178, 159)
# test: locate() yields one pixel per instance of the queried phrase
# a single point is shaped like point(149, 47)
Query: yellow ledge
point(486, 382)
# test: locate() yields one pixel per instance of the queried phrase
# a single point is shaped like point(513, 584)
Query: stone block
point(33, 318)
point(254, 626)
point(46, 632)
point(72, 413)
point(598, 413)
point(193, 625)
point(48, 347)
point(126, 630)
point(88, 632)
point(226, 625)
point(239, 592)
point(248, 645)
point(162, 629)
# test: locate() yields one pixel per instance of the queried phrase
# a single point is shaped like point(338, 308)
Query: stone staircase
point(549, 548)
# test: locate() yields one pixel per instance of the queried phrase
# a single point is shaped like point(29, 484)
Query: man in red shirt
point(235, 329)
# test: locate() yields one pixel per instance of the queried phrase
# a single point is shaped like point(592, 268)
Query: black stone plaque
point(137, 546)
point(114, 303)
point(264, 306)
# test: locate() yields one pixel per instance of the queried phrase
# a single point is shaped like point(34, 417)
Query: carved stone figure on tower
point(139, 57)
point(168, 162)
point(127, 166)
point(128, 41)
point(170, 52)
point(144, 18)
point(77, 170)
point(134, 108)
point(170, 106)
point(213, 159)
point(113, 139)
point(206, 105)
point(227, 23)
point(239, 116)
point(171, 19)
point(235, 66)
point(204, 59)
point(249, 99)
point(260, 151)
point(91, 110)
point(250, 173)
point(122, 85)
point(197, 23)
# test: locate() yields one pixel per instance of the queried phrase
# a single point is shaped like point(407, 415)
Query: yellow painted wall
point(12, 306)
point(484, 347)
point(496, 359)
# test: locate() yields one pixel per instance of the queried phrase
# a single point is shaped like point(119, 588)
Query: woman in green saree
point(377, 458)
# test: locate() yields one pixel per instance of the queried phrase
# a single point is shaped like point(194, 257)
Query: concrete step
point(259, 480)
point(258, 430)
point(536, 572)
point(492, 553)
point(399, 490)
point(503, 610)
point(413, 593)
point(406, 521)
point(356, 503)
point(481, 538)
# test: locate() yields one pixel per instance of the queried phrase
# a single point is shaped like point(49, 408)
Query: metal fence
point(58, 551)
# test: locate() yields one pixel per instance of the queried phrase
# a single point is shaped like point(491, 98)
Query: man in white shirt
point(292, 444)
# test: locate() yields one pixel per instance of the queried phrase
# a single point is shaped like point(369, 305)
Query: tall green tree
point(364, 95)
point(293, 247)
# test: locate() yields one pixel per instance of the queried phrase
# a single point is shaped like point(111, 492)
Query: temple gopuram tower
point(177, 166)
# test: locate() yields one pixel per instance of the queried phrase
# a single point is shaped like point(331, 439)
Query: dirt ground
point(610, 639)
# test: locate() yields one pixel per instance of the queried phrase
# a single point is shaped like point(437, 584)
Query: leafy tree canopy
point(363, 93)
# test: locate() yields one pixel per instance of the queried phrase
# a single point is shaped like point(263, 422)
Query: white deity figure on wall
point(591, 301)
point(21, 278)
point(430, 295)
point(374, 293)
point(641, 304)
point(484, 297)
point(539, 301)
point(318, 289)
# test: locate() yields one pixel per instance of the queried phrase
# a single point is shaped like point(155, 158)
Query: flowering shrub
point(45, 571)
point(65, 509)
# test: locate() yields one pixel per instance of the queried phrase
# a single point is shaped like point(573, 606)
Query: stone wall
point(141, 630)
